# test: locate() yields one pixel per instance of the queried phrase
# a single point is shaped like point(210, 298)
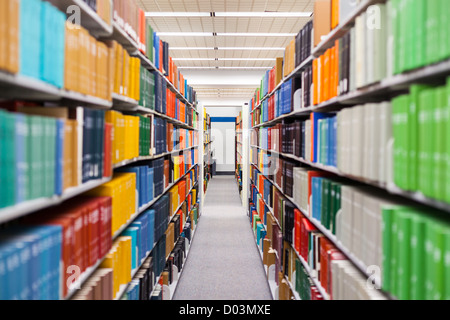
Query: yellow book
point(111, 71)
point(126, 73)
point(173, 200)
point(93, 67)
point(138, 77)
point(194, 196)
point(126, 261)
point(121, 135)
point(136, 136)
point(118, 68)
point(292, 56)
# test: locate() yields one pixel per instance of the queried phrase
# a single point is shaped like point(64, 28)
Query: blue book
point(46, 52)
point(10, 289)
point(151, 228)
point(334, 141)
point(150, 183)
point(156, 49)
point(133, 233)
point(288, 97)
point(315, 196)
point(59, 161)
point(30, 42)
point(316, 116)
point(60, 49)
point(259, 228)
point(55, 235)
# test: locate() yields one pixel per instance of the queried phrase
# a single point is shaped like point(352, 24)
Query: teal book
point(22, 171)
point(10, 165)
point(417, 243)
point(133, 233)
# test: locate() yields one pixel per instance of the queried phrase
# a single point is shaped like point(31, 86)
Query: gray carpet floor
point(223, 262)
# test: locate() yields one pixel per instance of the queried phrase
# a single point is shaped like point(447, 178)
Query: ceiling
point(265, 48)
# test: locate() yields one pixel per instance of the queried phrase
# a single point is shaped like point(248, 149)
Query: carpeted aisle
point(224, 262)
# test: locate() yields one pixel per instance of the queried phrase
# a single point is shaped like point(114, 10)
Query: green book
point(337, 207)
point(9, 163)
point(447, 147)
point(149, 35)
point(142, 96)
point(432, 31)
point(447, 264)
point(417, 242)
point(151, 90)
point(441, 117)
point(400, 134)
point(387, 244)
point(438, 260)
point(402, 34)
point(394, 16)
point(408, 34)
point(403, 281)
point(52, 160)
point(444, 29)
point(429, 265)
point(413, 143)
point(419, 29)
point(426, 138)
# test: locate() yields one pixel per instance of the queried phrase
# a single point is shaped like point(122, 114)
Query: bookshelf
point(399, 81)
point(207, 147)
point(41, 94)
point(239, 151)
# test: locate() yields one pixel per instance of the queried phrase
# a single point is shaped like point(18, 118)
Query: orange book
point(332, 74)
point(336, 67)
point(3, 34)
point(326, 75)
point(334, 13)
point(315, 67)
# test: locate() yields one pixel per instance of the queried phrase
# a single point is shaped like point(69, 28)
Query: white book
point(356, 226)
point(360, 50)
point(385, 133)
point(374, 141)
point(352, 80)
point(380, 47)
point(367, 142)
point(369, 42)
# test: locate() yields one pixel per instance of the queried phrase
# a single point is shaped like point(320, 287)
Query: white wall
point(223, 135)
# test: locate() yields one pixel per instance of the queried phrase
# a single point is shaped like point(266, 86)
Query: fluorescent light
point(231, 14)
point(264, 14)
point(185, 34)
point(177, 14)
point(225, 34)
point(256, 34)
point(228, 48)
point(259, 68)
point(191, 48)
point(223, 59)
point(193, 59)
point(251, 48)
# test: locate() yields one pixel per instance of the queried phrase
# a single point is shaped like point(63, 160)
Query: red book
point(306, 229)
point(170, 137)
point(166, 173)
point(142, 34)
point(261, 209)
point(269, 138)
point(297, 226)
point(170, 76)
point(93, 228)
point(324, 246)
point(107, 161)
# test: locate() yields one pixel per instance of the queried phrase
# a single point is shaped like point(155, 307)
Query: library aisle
point(223, 262)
